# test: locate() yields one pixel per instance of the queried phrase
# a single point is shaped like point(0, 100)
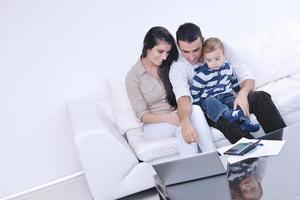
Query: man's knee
point(259, 96)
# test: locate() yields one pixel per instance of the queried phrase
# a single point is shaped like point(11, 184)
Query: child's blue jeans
point(215, 106)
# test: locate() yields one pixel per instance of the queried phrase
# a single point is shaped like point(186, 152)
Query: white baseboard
point(72, 187)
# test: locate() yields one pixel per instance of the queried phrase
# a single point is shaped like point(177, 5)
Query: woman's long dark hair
point(152, 38)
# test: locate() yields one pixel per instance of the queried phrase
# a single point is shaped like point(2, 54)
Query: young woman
point(150, 93)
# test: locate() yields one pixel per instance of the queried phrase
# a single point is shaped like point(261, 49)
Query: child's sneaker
point(232, 115)
point(248, 126)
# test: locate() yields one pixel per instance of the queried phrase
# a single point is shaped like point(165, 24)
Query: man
point(190, 40)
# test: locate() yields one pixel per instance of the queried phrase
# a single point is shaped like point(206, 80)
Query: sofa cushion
point(285, 94)
point(273, 53)
point(219, 138)
point(296, 76)
point(151, 149)
point(291, 118)
point(122, 111)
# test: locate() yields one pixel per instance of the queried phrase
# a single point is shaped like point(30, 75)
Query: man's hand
point(241, 100)
point(189, 133)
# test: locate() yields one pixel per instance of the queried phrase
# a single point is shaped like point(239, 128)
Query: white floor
point(73, 187)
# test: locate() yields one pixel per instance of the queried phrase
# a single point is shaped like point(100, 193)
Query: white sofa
point(112, 160)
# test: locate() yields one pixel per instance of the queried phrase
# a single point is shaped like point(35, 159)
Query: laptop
point(275, 135)
point(189, 168)
point(201, 176)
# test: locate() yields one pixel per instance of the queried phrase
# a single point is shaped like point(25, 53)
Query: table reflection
point(245, 178)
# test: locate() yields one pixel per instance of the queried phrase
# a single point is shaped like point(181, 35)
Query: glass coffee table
point(273, 177)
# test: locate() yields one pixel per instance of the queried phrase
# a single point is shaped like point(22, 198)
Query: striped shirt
point(209, 82)
point(182, 72)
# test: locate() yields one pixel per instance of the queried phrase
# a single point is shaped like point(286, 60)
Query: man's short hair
point(188, 32)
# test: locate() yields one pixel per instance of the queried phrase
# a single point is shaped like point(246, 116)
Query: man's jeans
point(262, 106)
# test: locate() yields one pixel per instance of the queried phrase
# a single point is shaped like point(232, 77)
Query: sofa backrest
point(122, 111)
point(272, 53)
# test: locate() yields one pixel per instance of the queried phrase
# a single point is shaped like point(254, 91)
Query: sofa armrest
point(105, 155)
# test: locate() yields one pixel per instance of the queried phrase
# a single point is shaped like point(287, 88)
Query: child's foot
point(232, 115)
point(248, 126)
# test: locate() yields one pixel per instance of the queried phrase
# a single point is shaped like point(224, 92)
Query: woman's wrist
point(164, 117)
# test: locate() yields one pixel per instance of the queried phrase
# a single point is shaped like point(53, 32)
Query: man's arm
point(180, 73)
point(244, 76)
point(241, 99)
point(185, 111)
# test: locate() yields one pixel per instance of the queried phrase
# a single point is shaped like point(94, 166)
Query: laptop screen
point(190, 168)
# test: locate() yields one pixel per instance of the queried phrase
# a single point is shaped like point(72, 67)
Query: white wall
point(54, 51)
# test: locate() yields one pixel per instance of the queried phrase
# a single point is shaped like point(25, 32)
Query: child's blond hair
point(212, 44)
